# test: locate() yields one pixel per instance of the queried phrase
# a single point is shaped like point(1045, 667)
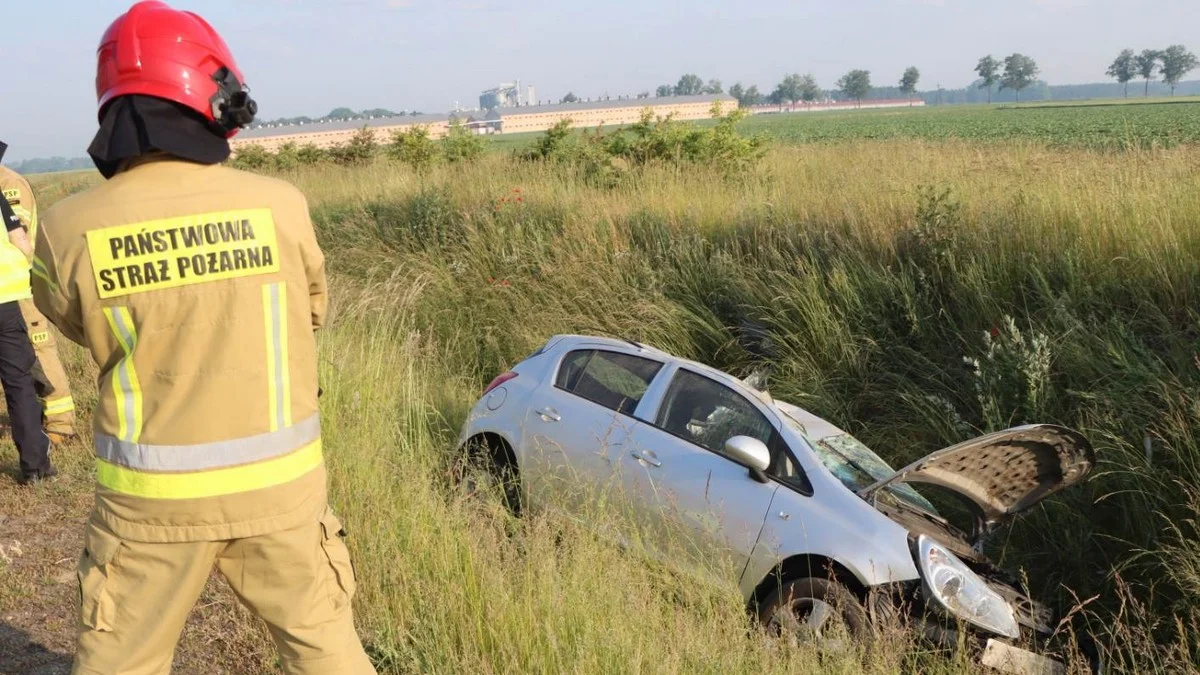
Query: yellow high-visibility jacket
point(197, 290)
point(20, 197)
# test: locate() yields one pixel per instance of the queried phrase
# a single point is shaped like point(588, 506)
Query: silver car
point(819, 528)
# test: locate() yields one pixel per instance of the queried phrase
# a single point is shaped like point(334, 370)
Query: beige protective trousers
point(136, 597)
point(53, 387)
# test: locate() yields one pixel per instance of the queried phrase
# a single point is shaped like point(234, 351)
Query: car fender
point(839, 527)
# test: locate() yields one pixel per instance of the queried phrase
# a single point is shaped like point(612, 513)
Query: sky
point(306, 57)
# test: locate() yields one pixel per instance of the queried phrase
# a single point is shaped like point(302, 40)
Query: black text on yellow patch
point(175, 252)
point(13, 196)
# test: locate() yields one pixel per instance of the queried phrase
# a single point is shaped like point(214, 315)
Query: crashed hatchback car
point(819, 526)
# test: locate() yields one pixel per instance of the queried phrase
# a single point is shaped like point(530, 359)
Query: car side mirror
point(751, 452)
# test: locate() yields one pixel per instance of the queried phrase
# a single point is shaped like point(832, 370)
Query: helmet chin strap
point(232, 107)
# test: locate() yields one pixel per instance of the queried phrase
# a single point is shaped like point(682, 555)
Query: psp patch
point(13, 196)
point(174, 252)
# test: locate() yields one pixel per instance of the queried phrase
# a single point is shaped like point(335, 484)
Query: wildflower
point(521, 199)
point(505, 283)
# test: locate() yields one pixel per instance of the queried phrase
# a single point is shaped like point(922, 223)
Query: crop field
point(921, 286)
point(1124, 126)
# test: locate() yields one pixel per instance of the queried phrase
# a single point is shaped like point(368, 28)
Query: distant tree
point(644, 94)
point(789, 90)
point(809, 91)
point(714, 87)
point(1020, 71)
point(908, 82)
point(378, 112)
point(856, 84)
point(415, 113)
point(989, 74)
point(1146, 64)
point(1177, 61)
point(664, 90)
point(745, 97)
point(340, 114)
point(1123, 69)
point(689, 85)
point(570, 98)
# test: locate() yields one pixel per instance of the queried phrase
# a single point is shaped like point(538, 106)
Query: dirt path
point(41, 536)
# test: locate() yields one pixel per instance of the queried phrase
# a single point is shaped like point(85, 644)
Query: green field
point(921, 287)
point(1095, 126)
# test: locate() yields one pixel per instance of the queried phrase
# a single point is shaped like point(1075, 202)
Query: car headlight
point(961, 592)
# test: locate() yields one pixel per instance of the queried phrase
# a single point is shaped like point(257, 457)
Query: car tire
point(804, 607)
point(482, 470)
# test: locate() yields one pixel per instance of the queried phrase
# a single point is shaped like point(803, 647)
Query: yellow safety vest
point(14, 273)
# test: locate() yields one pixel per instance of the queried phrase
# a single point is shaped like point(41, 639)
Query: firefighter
point(53, 388)
point(197, 289)
point(16, 352)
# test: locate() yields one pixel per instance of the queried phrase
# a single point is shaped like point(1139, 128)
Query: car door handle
point(646, 457)
point(550, 415)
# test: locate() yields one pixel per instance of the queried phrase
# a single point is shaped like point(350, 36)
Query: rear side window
point(615, 381)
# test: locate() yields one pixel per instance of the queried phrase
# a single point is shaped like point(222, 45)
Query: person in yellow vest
point(16, 352)
point(49, 377)
point(197, 289)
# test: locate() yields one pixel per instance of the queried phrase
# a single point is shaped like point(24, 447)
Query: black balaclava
point(133, 126)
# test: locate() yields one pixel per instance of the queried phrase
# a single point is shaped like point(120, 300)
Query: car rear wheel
point(820, 611)
point(485, 469)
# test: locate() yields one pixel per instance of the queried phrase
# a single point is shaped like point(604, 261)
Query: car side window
point(614, 380)
point(707, 413)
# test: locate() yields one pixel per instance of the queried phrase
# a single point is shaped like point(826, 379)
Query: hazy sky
point(305, 57)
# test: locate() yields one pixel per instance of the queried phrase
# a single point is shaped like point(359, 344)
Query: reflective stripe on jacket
point(197, 290)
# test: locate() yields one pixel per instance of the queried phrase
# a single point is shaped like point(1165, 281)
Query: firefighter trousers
point(53, 388)
point(24, 413)
point(136, 596)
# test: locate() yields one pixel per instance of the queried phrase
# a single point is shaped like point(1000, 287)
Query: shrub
point(309, 154)
point(461, 145)
point(414, 147)
point(252, 158)
point(287, 157)
point(360, 150)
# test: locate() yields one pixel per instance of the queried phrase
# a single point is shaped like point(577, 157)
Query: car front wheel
point(820, 611)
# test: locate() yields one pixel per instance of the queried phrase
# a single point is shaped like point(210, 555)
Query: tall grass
point(915, 293)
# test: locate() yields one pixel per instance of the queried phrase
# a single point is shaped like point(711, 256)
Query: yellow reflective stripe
point(279, 381)
point(58, 406)
point(213, 483)
point(126, 388)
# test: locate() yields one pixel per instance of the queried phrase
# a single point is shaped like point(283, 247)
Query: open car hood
point(1002, 474)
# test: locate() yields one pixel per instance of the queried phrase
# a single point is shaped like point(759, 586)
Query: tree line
point(1015, 72)
point(1173, 63)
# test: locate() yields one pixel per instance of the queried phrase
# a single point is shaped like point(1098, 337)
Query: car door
point(576, 427)
point(692, 500)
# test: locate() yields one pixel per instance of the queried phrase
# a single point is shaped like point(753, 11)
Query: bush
point(461, 145)
point(287, 157)
point(653, 140)
point(413, 147)
point(360, 150)
point(252, 158)
point(309, 154)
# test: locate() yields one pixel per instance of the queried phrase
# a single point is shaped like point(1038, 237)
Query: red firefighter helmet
point(155, 50)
